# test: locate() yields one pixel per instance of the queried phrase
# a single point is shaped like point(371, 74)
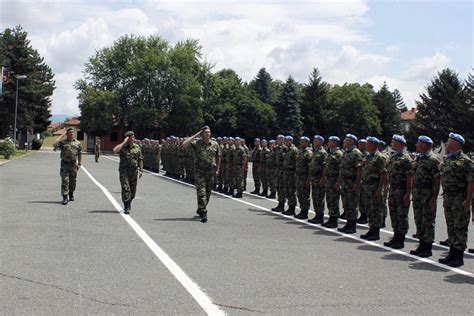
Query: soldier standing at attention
point(230, 167)
point(303, 183)
point(130, 167)
point(316, 168)
point(458, 188)
point(264, 153)
point(329, 181)
point(400, 178)
point(71, 159)
point(280, 150)
point(207, 160)
point(240, 164)
point(362, 146)
point(383, 151)
point(426, 181)
point(374, 177)
point(350, 174)
point(271, 169)
point(97, 149)
point(289, 175)
point(220, 179)
point(256, 165)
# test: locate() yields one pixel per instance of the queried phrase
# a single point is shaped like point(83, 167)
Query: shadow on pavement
point(371, 248)
point(459, 279)
point(426, 266)
point(397, 257)
point(103, 212)
point(45, 202)
point(179, 219)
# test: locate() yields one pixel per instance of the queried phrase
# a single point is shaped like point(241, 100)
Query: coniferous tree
point(313, 103)
point(288, 109)
point(389, 115)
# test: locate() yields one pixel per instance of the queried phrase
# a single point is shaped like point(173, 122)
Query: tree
point(468, 121)
point(350, 110)
point(288, 109)
point(262, 85)
point(314, 101)
point(443, 108)
point(34, 93)
point(97, 111)
point(401, 106)
point(389, 115)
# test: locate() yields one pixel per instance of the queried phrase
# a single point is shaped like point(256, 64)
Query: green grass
point(49, 141)
point(18, 153)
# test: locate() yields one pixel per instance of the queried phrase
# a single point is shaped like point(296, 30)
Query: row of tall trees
point(18, 57)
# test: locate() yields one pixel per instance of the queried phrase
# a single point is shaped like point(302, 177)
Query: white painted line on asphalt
point(199, 296)
point(425, 260)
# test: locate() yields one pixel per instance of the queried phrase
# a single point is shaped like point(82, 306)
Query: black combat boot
point(264, 193)
point(444, 242)
point(238, 195)
point(65, 200)
point(457, 259)
point(375, 234)
point(204, 216)
point(272, 195)
point(343, 215)
point(470, 250)
point(279, 208)
point(302, 215)
point(290, 210)
point(256, 191)
point(368, 233)
point(362, 219)
point(352, 227)
point(383, 223)
point(71, 196)
point(392, 240)
point(199, 212)
point(126, 207)
point(418, 249)
point(317, 219)
point(223, 190)
point(448, 258)
point(230, 192)
point(214, 188)
point(331, 223)
point(425, 252)
point(345, 227)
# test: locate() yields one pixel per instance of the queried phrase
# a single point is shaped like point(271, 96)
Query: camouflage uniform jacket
point(316, 166)
point(426, 171)
point(129, 157)
point(399, 169)
point(333, 164)
point(69, 150)
point(351, 160)
point(458, 171)
point(374, 168)
point(289, 160)
point(206, 156)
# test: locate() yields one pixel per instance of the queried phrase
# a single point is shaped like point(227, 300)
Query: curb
point(7, 161)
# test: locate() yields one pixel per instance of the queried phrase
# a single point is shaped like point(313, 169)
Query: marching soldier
point(316, 168)
point(256, 166)
point(71, 160)
point(97, 149)
point(329, 181)
point(130, 167)
point(289, 168)
point(374, 177)
point(350, 174)
point(458, 188)
point(400, 177)
point(303, 186)
point(426, 182)
point(207, 165)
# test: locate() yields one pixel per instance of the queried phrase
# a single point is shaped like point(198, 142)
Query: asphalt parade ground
point(90, 258)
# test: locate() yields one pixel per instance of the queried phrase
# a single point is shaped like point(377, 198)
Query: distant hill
point(59, 118)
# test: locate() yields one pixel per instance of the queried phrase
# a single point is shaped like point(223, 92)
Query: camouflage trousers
point(303, 191)
point(350, 199)
point(363, 210)
point(221, 177)
point(128, 182)
point(204, 184)
point(457, 220)
point(280, 186)
point(230, 177)
point(68, 174)
point(263, 177)
point(425, 216)
point(290, 187)
point(97, 156)
point(317, 195)
point(384, 204)
point(272, 179)
point(372, 204)
point(332, 196)
point(239, 179)
point(256, 176)
point(398, 211)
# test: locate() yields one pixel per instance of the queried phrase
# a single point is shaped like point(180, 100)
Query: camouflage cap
point(129, 133)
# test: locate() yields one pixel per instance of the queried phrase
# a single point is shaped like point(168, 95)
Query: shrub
point(36, 144)
point(8, 148)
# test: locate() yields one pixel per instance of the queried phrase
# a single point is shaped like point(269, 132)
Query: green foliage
point(97, 109)
point(400, 104)
point(264, 87)
point(36, 144)
point(34, 92)
point(314, 101)
point(350, 110)
point(7, 148)
point(288, 109)
point(389, 115)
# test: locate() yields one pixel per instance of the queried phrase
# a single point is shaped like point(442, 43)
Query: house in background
point(407, 119)
point(79, 135)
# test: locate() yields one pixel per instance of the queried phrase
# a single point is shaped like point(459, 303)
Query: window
point(80, 135)
point(113, 137)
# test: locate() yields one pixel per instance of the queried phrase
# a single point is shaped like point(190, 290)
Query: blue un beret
point(280, 136)
point(400, 139)
point(425, 139)
point(362, 141)
point(457, 138)
point(351, 136)
point(304, 138)
point(335, 139)
point(264, 140)
point(219, 138)
point(288, 137)
point(382, 143)
point(319, 137)
point(373, 140)
point(231, 138)
point(256, 140)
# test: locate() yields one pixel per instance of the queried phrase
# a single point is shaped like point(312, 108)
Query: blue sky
point(403, 43)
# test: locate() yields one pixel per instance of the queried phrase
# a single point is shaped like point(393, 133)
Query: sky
point(404, 43)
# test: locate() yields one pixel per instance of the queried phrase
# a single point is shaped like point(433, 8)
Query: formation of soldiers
point(359, 172)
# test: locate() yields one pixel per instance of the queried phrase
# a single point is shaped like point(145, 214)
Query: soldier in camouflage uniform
point(458, 187)
point(230, 174)
point(247, 151)
point(383, 151)
point(280, 150)
point(289, 175)
point(271, 170)
point(316, 168)
point(264, 152)
point(374, 177)
point(400, 177)
point(426, 182)
point(329, 181)
point(130, 168)
point(71, 160)
point(220, 178)
point(303, 184)
point(207, 165)
point(362, 146)
point(350, 174)
point(240, 164)
point(97, 149)
point(181, 160)
point(256, 165)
